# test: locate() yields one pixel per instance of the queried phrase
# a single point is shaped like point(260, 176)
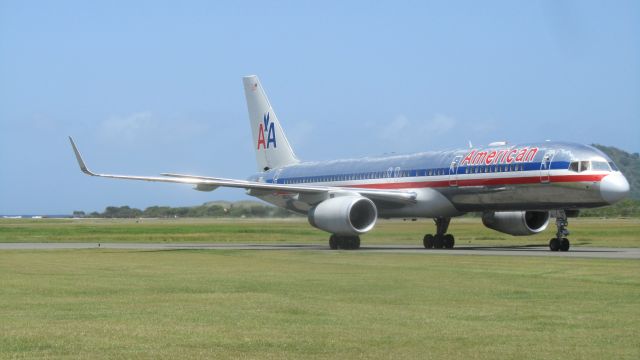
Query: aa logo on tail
point(269, 128)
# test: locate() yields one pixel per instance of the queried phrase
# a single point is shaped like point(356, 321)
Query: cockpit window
point(600, 166)
point(613, 166)
point(584, 166)
point(574, 166)
point(580, 166)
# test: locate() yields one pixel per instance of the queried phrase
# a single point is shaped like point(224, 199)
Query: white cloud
point(146, 127)
point(397, 127)
point(300, 133)
point(438, 125)
point(128, 128)
point(404, 134)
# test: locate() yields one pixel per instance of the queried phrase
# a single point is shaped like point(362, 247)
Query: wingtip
point(81, 163)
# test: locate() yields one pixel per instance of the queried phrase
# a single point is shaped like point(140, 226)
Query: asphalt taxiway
point(575, 252)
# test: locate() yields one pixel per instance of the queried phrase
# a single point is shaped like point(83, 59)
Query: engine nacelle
point(344, 215)
point(516, 222)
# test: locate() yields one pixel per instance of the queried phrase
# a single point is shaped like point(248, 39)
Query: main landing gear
point(344, 242)
point(560, 242)
point(440, 240)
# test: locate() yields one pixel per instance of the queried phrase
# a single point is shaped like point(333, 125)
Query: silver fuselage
point(530, 176)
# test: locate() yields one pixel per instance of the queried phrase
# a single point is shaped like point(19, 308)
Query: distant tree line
point(253, 210)
point(629, 164)
point(625, 208)
point(629, 208)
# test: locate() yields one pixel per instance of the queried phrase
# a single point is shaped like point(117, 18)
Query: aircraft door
point(453, 171)
point(276, 176)
point(545, 167)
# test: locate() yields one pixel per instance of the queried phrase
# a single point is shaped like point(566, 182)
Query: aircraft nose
point(614, 187)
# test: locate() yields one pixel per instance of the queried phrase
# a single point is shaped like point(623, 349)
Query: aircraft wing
point(204, 183)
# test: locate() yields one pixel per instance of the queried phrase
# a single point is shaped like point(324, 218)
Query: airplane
point(517, 188)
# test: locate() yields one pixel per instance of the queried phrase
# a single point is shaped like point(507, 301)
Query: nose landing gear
point(560, 242)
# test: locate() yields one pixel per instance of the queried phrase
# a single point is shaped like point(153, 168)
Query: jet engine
point(344, 215)
point(516, 222)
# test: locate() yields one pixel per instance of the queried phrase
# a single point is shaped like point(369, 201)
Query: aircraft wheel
point(356, 242)
point(438, 242)
point(449, 241)
point(564, 244)
point(333, 242)
point(554, 244)
point(347, 243)
point(428, 241)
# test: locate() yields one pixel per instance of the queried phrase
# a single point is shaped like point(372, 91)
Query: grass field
point(470, 231)
point(344, 304)
point(104, 303)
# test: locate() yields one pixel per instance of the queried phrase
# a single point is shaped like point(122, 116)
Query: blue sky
point(148, 87)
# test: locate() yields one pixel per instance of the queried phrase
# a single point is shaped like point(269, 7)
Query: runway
point(576, 252)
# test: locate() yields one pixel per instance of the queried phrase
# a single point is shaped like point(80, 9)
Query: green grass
point(469, 231)
point(267, 304)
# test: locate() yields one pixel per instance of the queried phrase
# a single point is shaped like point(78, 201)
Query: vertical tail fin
point(269, 141)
